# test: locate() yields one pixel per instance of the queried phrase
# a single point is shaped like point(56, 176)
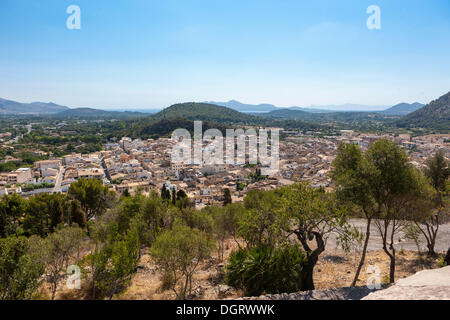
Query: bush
point(178, 252)
point(265, 269)
point(20, 270)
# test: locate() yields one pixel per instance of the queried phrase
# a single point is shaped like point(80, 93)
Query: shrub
point(20, 270)
point(178, 252)
point(266, 269)
point(441, 263)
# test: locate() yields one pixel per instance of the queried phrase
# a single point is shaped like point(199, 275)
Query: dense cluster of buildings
point(132, 165)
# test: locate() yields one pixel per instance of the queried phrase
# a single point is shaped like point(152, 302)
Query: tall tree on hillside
point(174, 196)
point(227, 197)
point(77, 215)
point(393, 185)
point(311, 214)
point(165, 193)
point(44, 213)
point(352, 174)
point(438, 171)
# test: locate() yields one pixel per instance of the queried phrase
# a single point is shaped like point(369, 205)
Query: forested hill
point(435, 115)
point(205, 112)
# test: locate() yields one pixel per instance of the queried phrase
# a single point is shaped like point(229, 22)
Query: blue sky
point(150, 54)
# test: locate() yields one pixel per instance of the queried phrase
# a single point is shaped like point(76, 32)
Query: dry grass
point(339, 272)
point(334, 269)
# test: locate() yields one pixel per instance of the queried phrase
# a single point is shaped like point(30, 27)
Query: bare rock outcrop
point(424, 285)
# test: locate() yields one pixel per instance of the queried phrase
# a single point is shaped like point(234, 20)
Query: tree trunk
point(308, 272)
point(312, 258)
point(431, 251)
point(392, 269)
point(53, 291)
point(363, 255)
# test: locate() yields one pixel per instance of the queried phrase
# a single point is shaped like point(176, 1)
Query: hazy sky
point(149, 54)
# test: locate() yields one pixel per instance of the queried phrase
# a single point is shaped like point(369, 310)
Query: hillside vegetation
point(204, 112)
point(435, 115)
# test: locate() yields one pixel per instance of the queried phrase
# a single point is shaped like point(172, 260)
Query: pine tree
point(226, 197)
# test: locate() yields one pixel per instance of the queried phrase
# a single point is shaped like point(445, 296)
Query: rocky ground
point(424, 285)
point(335, 270)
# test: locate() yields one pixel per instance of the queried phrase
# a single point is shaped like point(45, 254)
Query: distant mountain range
point(435, 115)
point(252, 108)
point(96, 113)
point(9, 107)
point(246, 108)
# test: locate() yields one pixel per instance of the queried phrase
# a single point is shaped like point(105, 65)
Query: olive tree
point(312, 214)
point(260, 225)
point(178, 252)
point(57, 252)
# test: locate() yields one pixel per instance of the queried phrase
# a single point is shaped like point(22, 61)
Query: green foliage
point(44, 213)
point(181, 195)
point(312, 214)
point(227, 197)
point(441, 263)
point(204, 112)
point(225, 224)
point(257, 176)
point(413, 232)
point(92, 195)
point(43, 185)
point(12, 209)
point(178, 252)
point(397, 189)
point(77, 215)
point(20, 270)
point(9, 166)
point(114, 261)
point(240, 186)
point(266, 270)
point(260, 223)
point(57, 252)
point(351, 172)
point(435, 115)
point(165, 193)
point(438, 171)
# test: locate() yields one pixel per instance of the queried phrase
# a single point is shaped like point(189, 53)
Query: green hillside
point(205, 112)
point(435, 116)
